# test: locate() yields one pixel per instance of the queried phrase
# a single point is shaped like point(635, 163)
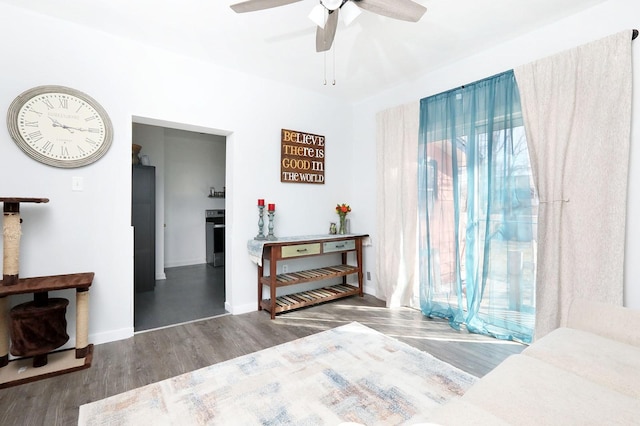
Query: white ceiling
point(372, 54)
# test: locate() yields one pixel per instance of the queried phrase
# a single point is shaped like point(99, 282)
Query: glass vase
point(343, 224)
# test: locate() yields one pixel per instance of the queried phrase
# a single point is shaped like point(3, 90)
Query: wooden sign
point(302, 157)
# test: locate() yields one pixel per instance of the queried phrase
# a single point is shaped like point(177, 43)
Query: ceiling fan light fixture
point(326, 14)
point(331, 4)
point(349, 12)
point(317, 15)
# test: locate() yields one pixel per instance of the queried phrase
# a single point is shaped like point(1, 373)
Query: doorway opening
point(189, 169)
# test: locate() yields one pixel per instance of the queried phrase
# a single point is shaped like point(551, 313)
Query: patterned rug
point(348, 374)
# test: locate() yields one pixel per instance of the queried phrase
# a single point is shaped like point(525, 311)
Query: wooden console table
point(296, 248)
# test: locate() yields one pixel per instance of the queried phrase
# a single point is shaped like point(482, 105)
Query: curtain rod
point(634, 35)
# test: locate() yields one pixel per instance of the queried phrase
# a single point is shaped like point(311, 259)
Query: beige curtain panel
point(397, 205)
point(577, 111)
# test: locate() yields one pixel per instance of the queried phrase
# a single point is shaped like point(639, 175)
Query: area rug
point(351, 373)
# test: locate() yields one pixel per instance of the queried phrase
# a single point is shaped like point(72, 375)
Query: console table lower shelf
point(310, 297)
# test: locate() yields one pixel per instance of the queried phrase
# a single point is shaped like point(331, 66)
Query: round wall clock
point(59, 126)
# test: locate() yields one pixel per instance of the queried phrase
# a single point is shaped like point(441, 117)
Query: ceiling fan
point(325, 14)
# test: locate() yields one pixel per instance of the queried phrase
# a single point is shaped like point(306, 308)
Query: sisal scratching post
point(82, 322)
point(11, 231)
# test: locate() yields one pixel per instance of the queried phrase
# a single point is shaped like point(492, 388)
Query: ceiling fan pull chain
point(334, 63)
point(324, 56)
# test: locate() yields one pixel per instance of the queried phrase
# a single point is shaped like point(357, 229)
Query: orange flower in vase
point(342, 210)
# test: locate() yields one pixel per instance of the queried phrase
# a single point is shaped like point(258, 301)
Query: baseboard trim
point(241, 309)
point(111, 336)
point(184, 263)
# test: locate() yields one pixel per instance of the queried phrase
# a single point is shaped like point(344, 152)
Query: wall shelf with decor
point(300, 248)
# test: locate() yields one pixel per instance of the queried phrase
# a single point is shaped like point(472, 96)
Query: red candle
point(272, 207)
point(260, 202)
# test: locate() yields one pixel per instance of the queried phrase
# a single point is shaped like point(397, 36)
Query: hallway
point(189, 293)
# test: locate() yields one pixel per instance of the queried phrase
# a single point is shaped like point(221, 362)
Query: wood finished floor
point(159, 354)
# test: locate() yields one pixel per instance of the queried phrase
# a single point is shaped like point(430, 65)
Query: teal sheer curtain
point(477, 210)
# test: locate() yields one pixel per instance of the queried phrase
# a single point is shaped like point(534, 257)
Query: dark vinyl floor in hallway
point(189, 293)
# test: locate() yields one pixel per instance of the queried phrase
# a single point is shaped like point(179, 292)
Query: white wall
point(91, 230)
point(607, 18)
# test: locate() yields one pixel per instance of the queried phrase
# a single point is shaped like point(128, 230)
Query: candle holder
point(260, 235)
point(271, 237)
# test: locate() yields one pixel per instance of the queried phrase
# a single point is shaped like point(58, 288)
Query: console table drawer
point(300, 250)
point(332, 246)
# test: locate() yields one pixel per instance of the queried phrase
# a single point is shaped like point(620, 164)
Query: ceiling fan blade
point(405, 10)
point(324, 37)
point(253, 5)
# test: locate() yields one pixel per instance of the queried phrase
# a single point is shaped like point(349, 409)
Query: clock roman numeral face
point(61, 126)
